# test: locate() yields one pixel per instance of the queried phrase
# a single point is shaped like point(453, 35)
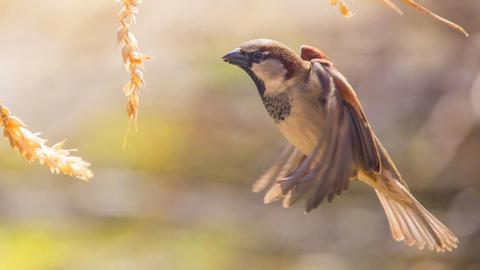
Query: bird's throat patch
point(278, 106)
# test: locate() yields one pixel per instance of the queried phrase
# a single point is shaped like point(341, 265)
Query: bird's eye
point(257, 56)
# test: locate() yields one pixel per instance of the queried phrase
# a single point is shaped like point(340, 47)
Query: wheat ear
point(131, 56)
point(342, 7)
point(33, 148)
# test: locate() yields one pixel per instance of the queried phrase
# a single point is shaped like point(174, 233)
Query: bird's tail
point(414, 225)
point(409, 221)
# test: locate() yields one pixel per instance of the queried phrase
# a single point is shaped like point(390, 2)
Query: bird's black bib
point(277, 106)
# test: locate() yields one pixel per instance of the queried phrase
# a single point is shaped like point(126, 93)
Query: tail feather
point(445, 233)
point(415, 226)
point(392, 219)
point(409, 221)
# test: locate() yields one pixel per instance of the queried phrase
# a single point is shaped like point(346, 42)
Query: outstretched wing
point(362, 132)
point(347, 144)
point(346, 97)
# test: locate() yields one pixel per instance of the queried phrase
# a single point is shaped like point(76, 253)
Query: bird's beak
point(238, 58)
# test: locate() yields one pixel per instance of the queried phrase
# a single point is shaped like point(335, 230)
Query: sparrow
point(330, 140)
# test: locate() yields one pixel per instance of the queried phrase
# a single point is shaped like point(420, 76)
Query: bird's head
point(265, 61)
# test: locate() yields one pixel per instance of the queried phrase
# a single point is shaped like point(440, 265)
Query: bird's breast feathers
point(298, 116)
point(295, 106)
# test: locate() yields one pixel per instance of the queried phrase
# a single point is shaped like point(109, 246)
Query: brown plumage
point(331, 141)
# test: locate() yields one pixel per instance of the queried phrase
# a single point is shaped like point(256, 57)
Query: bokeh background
point(178, 196)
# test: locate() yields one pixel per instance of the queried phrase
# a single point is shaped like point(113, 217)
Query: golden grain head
point(343, 8)
point(132, 58)
point(33, 148)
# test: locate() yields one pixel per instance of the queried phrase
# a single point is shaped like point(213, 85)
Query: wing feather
point(272, 173)
point(369, 149)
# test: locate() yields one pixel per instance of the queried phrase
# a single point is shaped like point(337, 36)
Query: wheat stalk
point(33, 148)
point(346, 12)
point(131, 56)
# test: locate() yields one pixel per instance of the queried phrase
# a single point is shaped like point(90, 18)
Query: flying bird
point(330, 140)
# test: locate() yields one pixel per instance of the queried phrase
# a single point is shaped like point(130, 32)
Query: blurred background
point(178, 196)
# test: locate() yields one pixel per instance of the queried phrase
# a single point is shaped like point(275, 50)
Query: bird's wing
point(289, 159)
point(346, 97)
point(347, 144)
point(366, 142)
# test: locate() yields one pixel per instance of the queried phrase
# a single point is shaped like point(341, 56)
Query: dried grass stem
point(346, 12)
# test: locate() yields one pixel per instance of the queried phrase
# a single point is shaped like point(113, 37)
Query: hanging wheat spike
point(342, 7)
point(346, 12)
point(33, 148)
point(132, 58)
